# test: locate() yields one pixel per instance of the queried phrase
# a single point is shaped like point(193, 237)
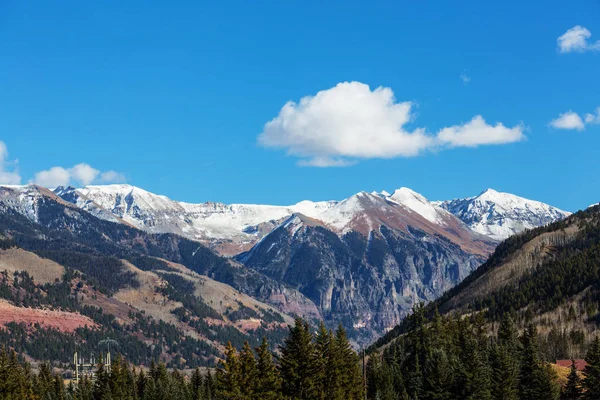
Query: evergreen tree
point(248, 372)
point(268, 385)
point(228, 385)
point(591, 383)
point(324, 373)
point(572, 390)
point(535, 379)
point(209, 386)
point(504, 360)
point(44, 382)
point(352, 386)
point(297, 364)
point(197, 383)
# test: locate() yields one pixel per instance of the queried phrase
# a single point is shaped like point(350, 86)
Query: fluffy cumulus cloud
point(576, 39)
point(477, 132)
point(53, 177)
point(7, 176)
point(593, 118)
point(349, 122)
point(79, 175)
point(573, 121)
point(569, 120)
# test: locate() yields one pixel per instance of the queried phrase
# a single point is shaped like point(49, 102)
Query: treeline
point(311, 366)
point(457, 358)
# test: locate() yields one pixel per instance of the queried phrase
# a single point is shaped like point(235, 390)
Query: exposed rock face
point(369, 282)
point(59, 320)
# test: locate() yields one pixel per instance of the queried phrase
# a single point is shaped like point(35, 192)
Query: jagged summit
point(499, 215)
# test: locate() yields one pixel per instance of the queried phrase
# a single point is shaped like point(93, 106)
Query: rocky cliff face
point(367, 282)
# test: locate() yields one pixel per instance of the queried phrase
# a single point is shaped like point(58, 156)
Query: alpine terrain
point(363, 261)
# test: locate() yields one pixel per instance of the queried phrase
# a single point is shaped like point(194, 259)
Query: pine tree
point(298, 364)
point(572, 390)
point(196, 384)
point(268, 385)
point(351, 379)
point(248, 372)
point(591, 383)
point(504, 360)
point(229, 375)
point(373, 375)
point(44, 382)
point(209, 386)
point(323, 343)
point(535, 379)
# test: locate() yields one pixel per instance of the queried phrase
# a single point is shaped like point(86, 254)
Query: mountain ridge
point(235, 228)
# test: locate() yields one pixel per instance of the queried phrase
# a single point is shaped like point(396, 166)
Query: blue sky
point(173, 98)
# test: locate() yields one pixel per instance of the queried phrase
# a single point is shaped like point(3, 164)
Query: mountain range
point(362, 261)
point(233, 228)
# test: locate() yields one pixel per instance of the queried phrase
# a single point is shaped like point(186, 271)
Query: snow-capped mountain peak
point(416, 202)
point(499, 215)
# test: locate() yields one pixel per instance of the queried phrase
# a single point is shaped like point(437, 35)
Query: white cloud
point(568, 120)
point(476, 133)
point(7, 177)
point(53, 177)
point(112, 177)
point(465, 78)
point(593, 118)
point(80, 175)
point(572, 120)
point(576, 40)
point(340, 125)
point(84, 174)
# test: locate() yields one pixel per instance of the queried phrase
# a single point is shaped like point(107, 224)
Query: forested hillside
point(497, 334)
point(308, 366)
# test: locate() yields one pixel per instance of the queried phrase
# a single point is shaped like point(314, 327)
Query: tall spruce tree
point(324, 373)
point(229, 376)
point(298, 364)
point(351, 382)
point(248, 372)
point(591, 383)
point(268, 384)
point(572, 390)
point(504, 359)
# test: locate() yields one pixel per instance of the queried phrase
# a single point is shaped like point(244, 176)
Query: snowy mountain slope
point(229, 228)
point(499, 215)
point(234, 228)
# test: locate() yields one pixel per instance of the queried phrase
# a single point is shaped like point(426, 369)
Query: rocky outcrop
point(368, 283)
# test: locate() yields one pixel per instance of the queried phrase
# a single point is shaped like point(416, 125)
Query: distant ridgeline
point(467, 343)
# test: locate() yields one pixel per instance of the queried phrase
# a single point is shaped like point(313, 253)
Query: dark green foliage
point(298, 363)
point(572, 390)
point(455, 358)
point(591, 383)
